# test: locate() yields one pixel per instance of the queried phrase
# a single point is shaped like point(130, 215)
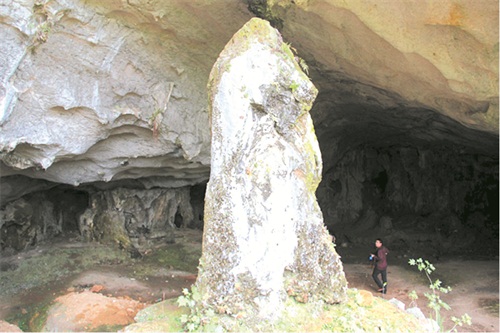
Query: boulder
point(88, 311)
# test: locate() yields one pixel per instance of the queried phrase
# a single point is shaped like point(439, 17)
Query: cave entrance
point(416, 178)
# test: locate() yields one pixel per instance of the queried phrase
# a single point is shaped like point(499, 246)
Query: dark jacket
point(381, 257)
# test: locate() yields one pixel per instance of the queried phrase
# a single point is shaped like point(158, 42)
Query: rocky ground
point(75, 286)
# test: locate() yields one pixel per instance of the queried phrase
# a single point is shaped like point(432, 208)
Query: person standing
point(380, 258)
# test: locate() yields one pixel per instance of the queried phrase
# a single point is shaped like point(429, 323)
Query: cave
point(109, 142)
point(411, 175)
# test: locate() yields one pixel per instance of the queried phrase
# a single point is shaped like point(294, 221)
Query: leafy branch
point(197, 318)
point(434, 297)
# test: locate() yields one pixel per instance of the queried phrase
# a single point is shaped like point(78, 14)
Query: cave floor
point(31, 280)
point(474, 283)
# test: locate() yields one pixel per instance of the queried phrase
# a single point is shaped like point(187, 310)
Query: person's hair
point(380, 240)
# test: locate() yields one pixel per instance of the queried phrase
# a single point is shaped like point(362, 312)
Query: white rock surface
point(93, 91)
point(264, 236)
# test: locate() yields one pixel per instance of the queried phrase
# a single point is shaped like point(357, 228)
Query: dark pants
point(383, 284)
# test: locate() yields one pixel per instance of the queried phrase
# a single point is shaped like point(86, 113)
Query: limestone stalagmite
point(264, 237)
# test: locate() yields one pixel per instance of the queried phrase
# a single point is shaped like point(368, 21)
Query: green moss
point(45, 269)
point(108, 328)
point(354, 315)
point(170, 324)
point(160, 311)
point(312, 178)
point(171, 255)
point(32, 319)
point(351, 316)
point(293, 86)
point(55, 264)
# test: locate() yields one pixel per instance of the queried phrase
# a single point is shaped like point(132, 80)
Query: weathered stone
point(427, 192)
point(397, 303)
point(264, 236)
point(135, 218)
point(40, 216)
point(160, 317)
point(386, 223)
point(439, 55)
point(102, 91)
point(24, 223)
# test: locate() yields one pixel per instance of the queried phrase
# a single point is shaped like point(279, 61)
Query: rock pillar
point(264, 238)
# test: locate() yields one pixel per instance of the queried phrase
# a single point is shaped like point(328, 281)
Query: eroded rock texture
point(135, 218)
point(101, 91)
point(39, 217)
point(438, 55)
point(264, 236)
point(437, 199)
point(130, 218)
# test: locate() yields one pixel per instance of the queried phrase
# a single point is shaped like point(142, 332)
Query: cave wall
point(437, 194)
point(40, 216)
point(198, 203)
point(133, 219)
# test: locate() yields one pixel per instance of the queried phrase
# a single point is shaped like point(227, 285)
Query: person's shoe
point(380, 290)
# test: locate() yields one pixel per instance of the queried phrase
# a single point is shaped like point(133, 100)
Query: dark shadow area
point(412, 176)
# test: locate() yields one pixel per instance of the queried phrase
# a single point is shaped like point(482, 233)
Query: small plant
point(191, 322)
point(155, 120)
point(413, 296)
point(157, 116)
point(294, 85)
point(304, 65)
point(292, 51)
point(434, 299)
point(44, 18)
